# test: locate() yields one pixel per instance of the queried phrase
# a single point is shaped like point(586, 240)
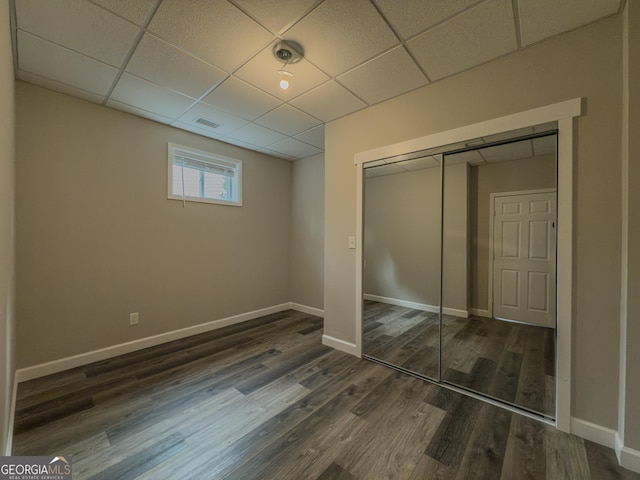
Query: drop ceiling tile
point(80, 26)
point(507, 152)
point(148, 96)
point(161, 63)
point(63, 65)
point(544, 18)
point(410, 17)
point(544, 145)
point(276, 15)
point(59, 87)
point(256, 135)
point(313, 136)
point(241, 99)
point(273, 153)
point(262, 71)
point(295, 148)
point(328, 102)
point(200, 131)
point(478, 35)
point(227, 122)
point(472, 157)
point(213, 30)
point(137, 111)
point(339, 34)
point(419, 163)
point(384, 170)
point(288, 120)
point(384, 77)
point(137, 11)
point(238, 143)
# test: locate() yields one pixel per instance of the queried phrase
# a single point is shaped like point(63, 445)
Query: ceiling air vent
point(207, 123)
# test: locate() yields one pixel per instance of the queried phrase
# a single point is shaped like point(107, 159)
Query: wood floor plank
point(186, 423)
point(566, 457)
point(521, 357)
point(306, 411)
point(279, 426)
point(374, 459)
point(428, 468)
point(486, 447)
point(603, 463)
point(531, 385)
point(310, 456)
point(335, 472)
point(267, 459)
point(159, 411)
point(259, 381)
point(525, 455)
point(505, 382)
point(209, 442)
point(450, 441)
point(134, 465)
point(336, 366)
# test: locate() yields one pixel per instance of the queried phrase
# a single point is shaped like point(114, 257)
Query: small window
point(198, 176)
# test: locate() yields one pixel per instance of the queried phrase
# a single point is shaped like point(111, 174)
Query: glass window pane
point(191, 181)
point(215, 186)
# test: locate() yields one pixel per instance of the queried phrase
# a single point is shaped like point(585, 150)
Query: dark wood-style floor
point(509, 361)
point(265, 400)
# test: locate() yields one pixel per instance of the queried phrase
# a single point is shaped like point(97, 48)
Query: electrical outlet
point(134, 318)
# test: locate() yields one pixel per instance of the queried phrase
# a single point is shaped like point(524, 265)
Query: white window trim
point(171, 147)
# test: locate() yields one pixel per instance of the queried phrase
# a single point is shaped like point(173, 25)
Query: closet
point(459, 265)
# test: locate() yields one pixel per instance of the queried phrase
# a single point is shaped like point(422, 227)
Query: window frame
point(201, 156)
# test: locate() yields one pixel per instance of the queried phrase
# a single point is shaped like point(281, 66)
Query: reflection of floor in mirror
point(509, 361)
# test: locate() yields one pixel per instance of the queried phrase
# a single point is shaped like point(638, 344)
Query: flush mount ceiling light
point(288, 52)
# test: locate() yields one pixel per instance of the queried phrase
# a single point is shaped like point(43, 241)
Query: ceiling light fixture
point(288, 52)
point(284, 78)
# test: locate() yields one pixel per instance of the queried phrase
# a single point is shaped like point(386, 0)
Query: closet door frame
point(564, 114)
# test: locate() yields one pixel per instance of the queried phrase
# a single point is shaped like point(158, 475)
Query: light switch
point(352, 242)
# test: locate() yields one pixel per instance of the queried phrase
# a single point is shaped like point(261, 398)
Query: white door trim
point(492, 199)
point(561, 112)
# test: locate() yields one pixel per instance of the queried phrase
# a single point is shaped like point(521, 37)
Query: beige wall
point(307, 232)
point(585, 63)
point(630, 353)
point(7, 192)
point(98, 238)
point(455, 247)
point(402, 236)
point(527, 174)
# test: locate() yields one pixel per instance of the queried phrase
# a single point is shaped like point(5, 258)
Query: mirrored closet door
point(459, 266)
point(401, 263)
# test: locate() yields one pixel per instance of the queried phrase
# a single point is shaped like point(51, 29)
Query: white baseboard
point(55, 366)
point(627, 457)
point(401, 303)
point(306, 309)
point(479, 312)
point(416, 306)
point(593, 432)
point(455, 312)
point(341, 345)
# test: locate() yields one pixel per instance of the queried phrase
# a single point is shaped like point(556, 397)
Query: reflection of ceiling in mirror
point(513, 150)
point(404, 166)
